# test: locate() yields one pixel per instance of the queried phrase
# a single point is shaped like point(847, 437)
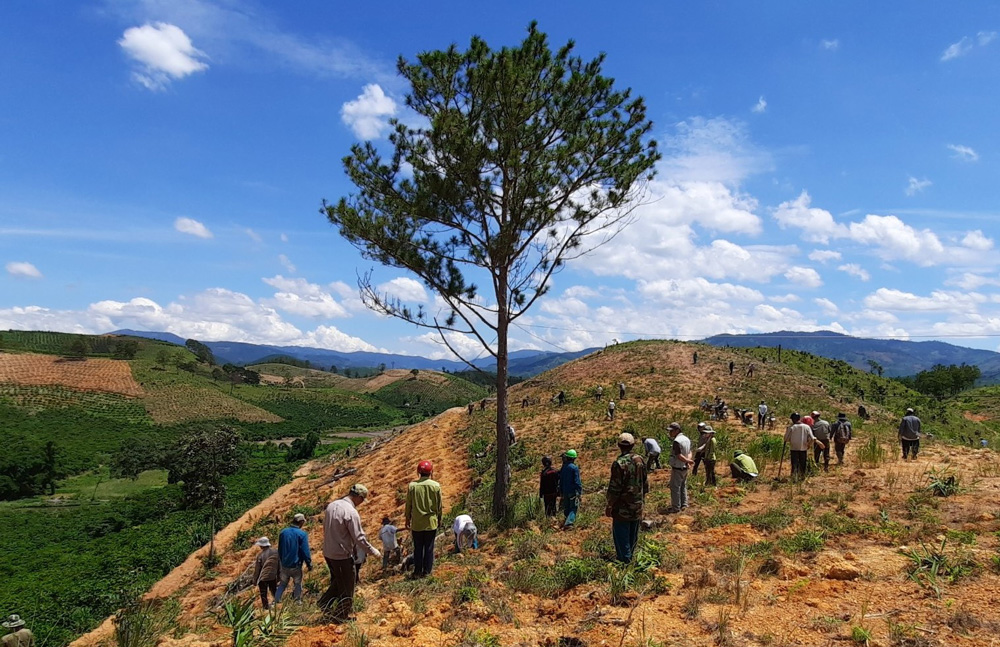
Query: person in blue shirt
point(570, 488)
point(293, 551)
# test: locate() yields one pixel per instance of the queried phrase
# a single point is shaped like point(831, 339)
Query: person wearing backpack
point(841, 433)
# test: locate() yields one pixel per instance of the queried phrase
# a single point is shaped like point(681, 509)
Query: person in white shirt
point(652, 453)
point(799, 437)
point(465, 532)
point(680, 461)
point(761, 414)
point(390, 545)
point(342, 537)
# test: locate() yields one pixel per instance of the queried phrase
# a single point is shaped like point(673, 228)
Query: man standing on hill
point(342, 535)
point(570, 488)
point(424, 509)
point(799, 436)
point(732, 365)
point(621, 390)
point(821, 431)
point(611, 410)
point(548, 486)
point(680, 460)
point(698, 457)
point(842, 434)
point(293, 551)
point(909, 434)
point(599, 393)
point(708, 449)
point(626, 491)
point(761, 414)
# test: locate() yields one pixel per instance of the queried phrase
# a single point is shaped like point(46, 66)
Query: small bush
point(805, 541)
point(871, 453)
point(574, 571)
point(771, 519)
point(943, 484)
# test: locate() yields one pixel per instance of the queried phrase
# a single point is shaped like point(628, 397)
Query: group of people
point(812, 431)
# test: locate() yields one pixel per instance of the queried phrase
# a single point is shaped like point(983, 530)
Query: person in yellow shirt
point(424, 510)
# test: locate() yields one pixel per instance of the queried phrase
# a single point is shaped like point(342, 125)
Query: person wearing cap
point(680, 461)
point(799, 437)
point(293, 552)
point(391, 551)
point(708, 451)
point(761, 414)
point(570, 488)
point(702, 437)
point(743, 468)
point(626, 490)
point(424, 509)
point(342, 533)
point(909, 434)
point(611, 410)
point(548, 486)
point(653, 450)
point(841, 433)
point(17, 634)
point(821, 431)
point(265, 571)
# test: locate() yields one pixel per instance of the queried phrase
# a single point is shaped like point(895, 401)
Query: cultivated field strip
point(92, 374)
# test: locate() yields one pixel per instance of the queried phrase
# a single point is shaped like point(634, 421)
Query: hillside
point(897, 357)
point(865, 552)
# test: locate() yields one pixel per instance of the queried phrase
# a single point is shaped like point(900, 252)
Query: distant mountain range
point(523, 363)
point(897, 358)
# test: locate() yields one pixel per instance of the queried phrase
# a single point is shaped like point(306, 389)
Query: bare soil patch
point(91, 374)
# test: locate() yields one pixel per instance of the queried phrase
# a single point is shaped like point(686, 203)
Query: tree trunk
point(502, 482)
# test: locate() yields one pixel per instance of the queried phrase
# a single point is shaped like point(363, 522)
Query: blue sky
point(827, 165)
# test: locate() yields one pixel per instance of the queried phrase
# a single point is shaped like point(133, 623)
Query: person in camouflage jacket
point(626, 491)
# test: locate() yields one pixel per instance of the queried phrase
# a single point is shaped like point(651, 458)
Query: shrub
point(871, 453)
point(931, 568)
point(574, 571)
point(943, 484)
point(141, 622)
point(805, 541)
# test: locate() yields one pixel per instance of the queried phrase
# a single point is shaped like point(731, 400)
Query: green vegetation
point(943, 381)
point(429, 397)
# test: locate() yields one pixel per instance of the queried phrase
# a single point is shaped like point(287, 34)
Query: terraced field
point(92, 374)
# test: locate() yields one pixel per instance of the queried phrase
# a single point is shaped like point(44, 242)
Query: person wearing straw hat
point(265, 570)
point(293, 550)
point(342, 531)
point(17, 634)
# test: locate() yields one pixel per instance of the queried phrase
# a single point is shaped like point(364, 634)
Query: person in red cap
point(424, 510)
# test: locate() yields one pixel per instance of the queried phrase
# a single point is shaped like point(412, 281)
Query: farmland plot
point(107, 375)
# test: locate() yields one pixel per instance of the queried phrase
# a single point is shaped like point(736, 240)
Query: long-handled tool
point(782, 461)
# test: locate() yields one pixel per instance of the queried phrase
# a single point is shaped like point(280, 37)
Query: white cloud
point(961, 48)
point(760, 106)
point(807, 277)
point(286, 263)
point(972, 281)
point(964, 153)
point(915, 186)
point(977, 240)
point(192, 227)
point(331, 337)
point(831, 45)
point(405, 289)
point(711, 150)
point(855, 270)
point(162, 53)
point(298, 296)
point(680, 292)
point(824, 255)
point(818, 225)
point(254, 236)
point(367, 116)
point(964, 46)
point(284, 238)
point(23, 269)
point(938, 301)
point(828, 307)
point(897, 240)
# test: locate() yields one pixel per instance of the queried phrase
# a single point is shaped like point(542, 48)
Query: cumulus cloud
point(817, 225)
point(712, 150)
point(368, 115)
point(760, 106)
point(824, 255)
point(855, 270)
point(972, 281)
point(830, 45)
point(896, 239)
point(938, 301)
point(331, 337)
point(161, 53)
point(404, 289)
point(828, 307)
point(192, 227)
point(915, 186)
point(807, 277)
point(977, 240)
point(298, 296)
point(23, 269)
point(963, 153)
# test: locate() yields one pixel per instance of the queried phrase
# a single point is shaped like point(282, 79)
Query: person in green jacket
point(424, 510)
point(743, 468)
